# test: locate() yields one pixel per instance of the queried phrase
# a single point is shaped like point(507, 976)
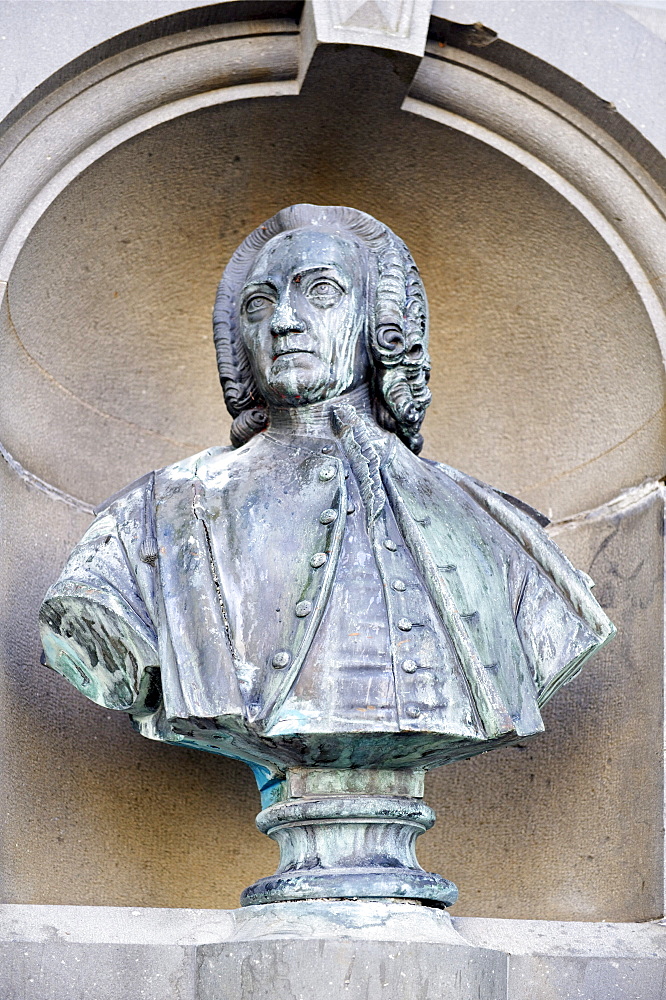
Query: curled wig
point(396, 332)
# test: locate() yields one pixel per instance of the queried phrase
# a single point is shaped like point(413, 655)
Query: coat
point(195, 600)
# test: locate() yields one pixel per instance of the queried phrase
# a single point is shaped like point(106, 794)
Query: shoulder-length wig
point(396, 325)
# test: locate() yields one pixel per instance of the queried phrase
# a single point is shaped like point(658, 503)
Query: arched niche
point(128, 190)
point(585, 317)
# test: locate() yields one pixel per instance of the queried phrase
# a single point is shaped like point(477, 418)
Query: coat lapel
point(463, 557)
point(250, 554)
point(197, 664)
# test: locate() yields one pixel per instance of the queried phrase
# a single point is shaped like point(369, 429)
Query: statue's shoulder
point(203, 466)
point(133, 491)
point(503, 507)
point(204, 463)
point(482, 491)
point(216, 465)
point(527, 525)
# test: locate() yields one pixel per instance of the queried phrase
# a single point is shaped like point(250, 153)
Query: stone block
point(357, 970)
point(320, 950)
point(60, 970)
point(586, 978)
point(574, 960)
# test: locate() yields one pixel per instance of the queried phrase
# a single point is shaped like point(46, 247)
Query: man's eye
point(257, 303)
point(324, 290)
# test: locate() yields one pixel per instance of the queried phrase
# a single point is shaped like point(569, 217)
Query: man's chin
point(297, 379)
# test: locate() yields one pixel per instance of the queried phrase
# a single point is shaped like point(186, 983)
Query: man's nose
point(285, 319)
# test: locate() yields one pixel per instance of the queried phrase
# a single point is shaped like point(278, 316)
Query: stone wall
point(547, 382)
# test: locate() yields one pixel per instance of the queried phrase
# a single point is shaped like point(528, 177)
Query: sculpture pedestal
point(349, 834)
point(321, 950)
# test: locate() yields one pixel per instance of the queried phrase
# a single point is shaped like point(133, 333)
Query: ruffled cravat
point(363, 458)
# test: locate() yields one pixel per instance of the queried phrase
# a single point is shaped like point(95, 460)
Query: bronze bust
point(317, 600)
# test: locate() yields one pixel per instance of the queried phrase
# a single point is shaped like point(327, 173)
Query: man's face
point(302, 312)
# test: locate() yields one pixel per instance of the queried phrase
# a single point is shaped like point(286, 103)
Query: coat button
point(409, 666)
point(351, 508)
point(399, 585)
point(413, 711)
point(327, 516)
point(327, 474)
point(318, 559)
point(328, 449)
point(390, 545)
point(303, 609)
point(281, 659)
point(404, 624)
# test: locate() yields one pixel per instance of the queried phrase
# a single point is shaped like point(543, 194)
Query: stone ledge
point(362, 950)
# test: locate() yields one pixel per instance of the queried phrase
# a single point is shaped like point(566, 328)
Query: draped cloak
point(218, 602)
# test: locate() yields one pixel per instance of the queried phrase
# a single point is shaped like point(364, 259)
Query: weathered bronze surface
point(316, 600)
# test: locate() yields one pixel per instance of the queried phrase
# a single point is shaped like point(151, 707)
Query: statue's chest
point(274, 533)
point(381, 658)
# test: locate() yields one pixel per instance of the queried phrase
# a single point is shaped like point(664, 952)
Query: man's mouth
point(291, 350)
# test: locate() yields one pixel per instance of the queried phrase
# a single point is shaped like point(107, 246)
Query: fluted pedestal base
point(342, 836)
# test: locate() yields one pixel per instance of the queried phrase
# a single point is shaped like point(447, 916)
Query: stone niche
point(547, 383)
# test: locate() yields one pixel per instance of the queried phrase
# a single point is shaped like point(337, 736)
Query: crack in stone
point(51, 491)
point(589, 461)
point(89, 406)
point(620, 504)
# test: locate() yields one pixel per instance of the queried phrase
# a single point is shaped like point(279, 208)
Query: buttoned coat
point(193, 600)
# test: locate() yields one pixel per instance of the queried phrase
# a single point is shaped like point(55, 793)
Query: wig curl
point(396, 329)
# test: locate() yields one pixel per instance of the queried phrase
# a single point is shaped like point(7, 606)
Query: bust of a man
point(317, 595)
